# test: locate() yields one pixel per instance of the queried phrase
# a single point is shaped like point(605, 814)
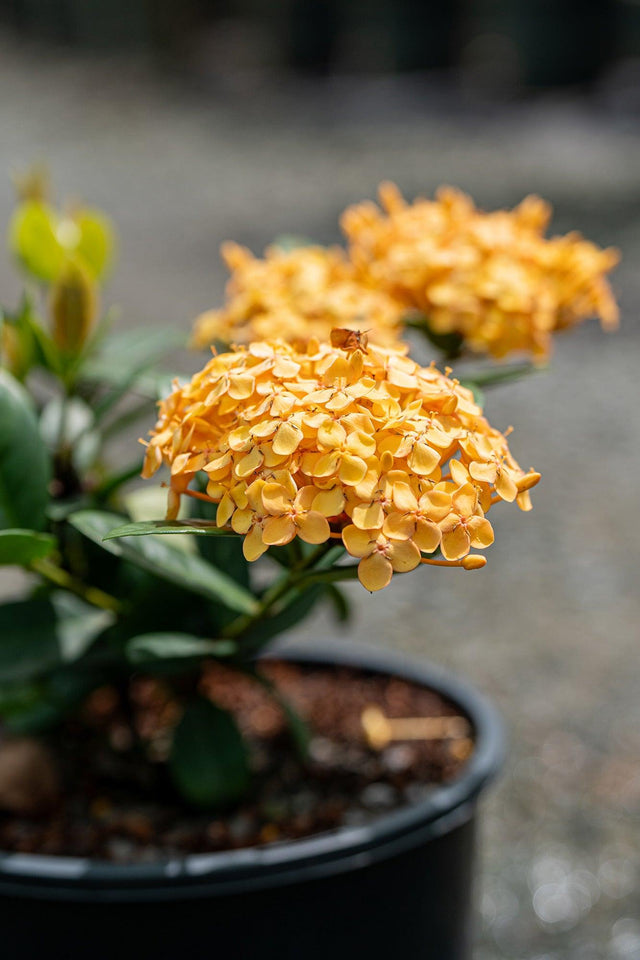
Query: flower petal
point(427, 536)
point(404, 555)
point(225, 510)
point(359, 543)
point(249, 464)
point(287, 439)
point(330, 503)
point(455, 543)
point(404, 498)
point(278, 530)
point(480, 532)
point(253, 546)
point(375, 572)
point(352, 470)
point(368, 516)
point(275, 499)
point(399, 526)
point(313, 527)
point(422, 459)
point(465, 500)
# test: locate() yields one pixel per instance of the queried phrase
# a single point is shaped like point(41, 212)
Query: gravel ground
point(550, 628)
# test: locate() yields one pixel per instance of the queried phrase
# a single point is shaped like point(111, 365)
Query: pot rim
point(280, 863)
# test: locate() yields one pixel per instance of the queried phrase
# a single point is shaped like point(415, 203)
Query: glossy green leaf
point(78, 624)
point(158, 557)
point(143, 528)
point(21, 547)
point(177, 646)
point(25, 469)
point(208, 761)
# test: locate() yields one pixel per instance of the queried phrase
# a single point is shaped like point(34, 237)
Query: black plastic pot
point(399, 887)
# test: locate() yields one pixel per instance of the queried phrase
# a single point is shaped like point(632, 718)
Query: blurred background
point(197, 121)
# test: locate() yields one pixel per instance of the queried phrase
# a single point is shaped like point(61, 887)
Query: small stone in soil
point(379, 796)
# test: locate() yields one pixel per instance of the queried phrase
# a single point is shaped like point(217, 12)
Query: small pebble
point(379, 796)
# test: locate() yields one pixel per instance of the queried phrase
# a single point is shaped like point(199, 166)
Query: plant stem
point(108, 486)
point(278, 590)
point(62, 578)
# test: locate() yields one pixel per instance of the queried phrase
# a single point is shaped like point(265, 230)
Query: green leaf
point(176, 646)
point(341, 606)
point(290, 241)
point(36, 706)
point(20, 547)
point(449, 344)
point(28, 640)
point(208, 762)
point(68, 422)
point(78, 624)
point(38, 635)
point(223, 552)
point(143, 528)
point(25, 469)
point(494, 374)
point(158, 557)
point(298, 727)
point(125, 356)
point(33, 239)
point(296, 605)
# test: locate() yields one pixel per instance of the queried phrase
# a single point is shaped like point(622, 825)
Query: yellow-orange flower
point(493, 278)
point(392, 459)
point(296, 295)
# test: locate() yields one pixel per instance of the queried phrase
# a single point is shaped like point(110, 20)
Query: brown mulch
point(116, 803)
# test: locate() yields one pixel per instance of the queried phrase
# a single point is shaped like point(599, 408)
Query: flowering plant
point(323, 449)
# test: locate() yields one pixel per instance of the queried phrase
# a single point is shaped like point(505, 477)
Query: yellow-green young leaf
point(208, 761)
point(33, 240)
point(21, 547)
point(25, 468)
point(96, 242)
point(74, 305)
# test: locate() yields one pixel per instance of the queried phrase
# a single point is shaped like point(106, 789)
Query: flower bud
point(73, 307)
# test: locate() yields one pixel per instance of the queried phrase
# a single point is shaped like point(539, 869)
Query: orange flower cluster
point(493, 277)
point(296, 295)
point(363, 446)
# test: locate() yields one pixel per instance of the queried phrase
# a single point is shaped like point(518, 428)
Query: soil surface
point(117, 803)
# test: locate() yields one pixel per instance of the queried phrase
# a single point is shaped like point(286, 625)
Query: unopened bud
point(474, 561)
point(528, 481)
point(73, 307)
point(13, 352)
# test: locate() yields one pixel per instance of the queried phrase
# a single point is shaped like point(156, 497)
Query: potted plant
point(167, 781)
